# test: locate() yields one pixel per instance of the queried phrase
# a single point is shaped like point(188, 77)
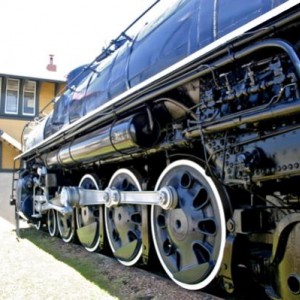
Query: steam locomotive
point(184, 140)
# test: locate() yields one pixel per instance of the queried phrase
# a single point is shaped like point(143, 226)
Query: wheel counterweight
point(124, 223)
point(66, 227)
point(190, 239)
point(87, 217)
point(52, 222)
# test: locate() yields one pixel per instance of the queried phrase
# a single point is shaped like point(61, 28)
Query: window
point(12, 96)
point(19, 97)
point(29, 98)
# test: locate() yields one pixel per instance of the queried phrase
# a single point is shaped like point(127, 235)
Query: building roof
point(35, 69)
point(4, 137)
point(36, 75)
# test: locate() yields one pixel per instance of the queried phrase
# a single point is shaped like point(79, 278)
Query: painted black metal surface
point(180, 31)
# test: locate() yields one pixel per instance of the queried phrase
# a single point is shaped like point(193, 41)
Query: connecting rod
point(166, 197)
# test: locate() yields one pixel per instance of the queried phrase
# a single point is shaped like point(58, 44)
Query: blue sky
point(73, 30)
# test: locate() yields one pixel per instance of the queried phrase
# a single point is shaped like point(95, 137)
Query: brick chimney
point(51, 66)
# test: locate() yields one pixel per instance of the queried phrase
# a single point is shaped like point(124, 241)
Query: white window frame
point(34, 99)
point(18, 96)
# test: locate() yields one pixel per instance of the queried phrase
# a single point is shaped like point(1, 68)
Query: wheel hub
point(178, 224)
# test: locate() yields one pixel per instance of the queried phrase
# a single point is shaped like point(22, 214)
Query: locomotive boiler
point(183, 139)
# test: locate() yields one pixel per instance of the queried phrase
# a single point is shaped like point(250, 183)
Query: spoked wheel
point(66, 227)
point(52, 223)
point(124, 223)
point(87, 218)
point(190, 239)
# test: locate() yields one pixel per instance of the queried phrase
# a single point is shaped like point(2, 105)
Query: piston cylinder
point(114, 140)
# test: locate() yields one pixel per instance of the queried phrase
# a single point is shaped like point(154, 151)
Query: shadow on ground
point(93, 266)
point(105, 272)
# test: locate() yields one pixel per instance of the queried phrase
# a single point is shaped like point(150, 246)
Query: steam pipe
point(279, 111)
point(111, 141)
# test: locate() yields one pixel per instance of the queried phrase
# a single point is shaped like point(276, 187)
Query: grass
point(108, 274)
point(90, 265)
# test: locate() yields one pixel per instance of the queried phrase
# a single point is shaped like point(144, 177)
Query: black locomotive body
point(186, 137)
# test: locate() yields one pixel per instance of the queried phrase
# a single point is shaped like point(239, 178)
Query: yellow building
point(21, 99)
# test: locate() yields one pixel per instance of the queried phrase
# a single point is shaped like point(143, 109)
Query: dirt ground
point(37, 266)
